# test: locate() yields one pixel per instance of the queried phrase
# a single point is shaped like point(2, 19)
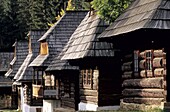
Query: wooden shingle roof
point(5, 82)
point(21, 53)
point(84, 43)
point(58, 35)
point(12, 62)
point(25, 73)
point(142, 14)
point(57, 64)
point(5, 58)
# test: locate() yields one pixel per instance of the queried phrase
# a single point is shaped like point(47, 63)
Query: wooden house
point(98, 87)
point(5, 83)
point(67, 77)
point(141, 34)
point(51, 44)
point(20, 52)
point(24, 75)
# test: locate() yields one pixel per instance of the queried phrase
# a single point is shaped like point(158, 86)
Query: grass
point(153, 110)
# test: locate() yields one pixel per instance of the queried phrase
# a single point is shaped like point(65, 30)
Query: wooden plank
point(68, 99)
point(88, 92)
point(156, 82)
point(158, 53)
point(127, 66)
point(148, 101)
point(127, 75)
point(69, 104)
point(150, 93)
point(85, 101)
point(89, 98)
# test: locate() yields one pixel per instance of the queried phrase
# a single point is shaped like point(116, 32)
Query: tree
point(17, 17)
point(109, 10)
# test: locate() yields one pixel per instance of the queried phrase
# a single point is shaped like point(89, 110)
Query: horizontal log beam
point(127, 75)
point(148, 101)
point(89, 98)
point(88, 92)
point(150, 93)
point(156, 82)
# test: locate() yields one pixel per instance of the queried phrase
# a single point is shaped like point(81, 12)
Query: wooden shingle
point(141, 14)
point(58, 35)
point(25, 73)
point(84, 43)
point(21, 53)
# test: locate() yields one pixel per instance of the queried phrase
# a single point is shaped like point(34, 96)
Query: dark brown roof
point(25, 73)
point(58, 35)
point(84, 43)
point(142, 14)
point(5, 59)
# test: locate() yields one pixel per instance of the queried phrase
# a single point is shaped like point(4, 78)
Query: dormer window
point(44, 48)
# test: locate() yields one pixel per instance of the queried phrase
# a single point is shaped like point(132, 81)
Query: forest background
point(17, 17)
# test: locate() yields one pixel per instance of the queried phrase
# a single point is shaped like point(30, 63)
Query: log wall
point(89, 95)
point(149, 87)
point(110, 82)
point(69, 90)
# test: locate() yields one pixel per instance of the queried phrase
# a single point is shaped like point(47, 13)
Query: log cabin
point(5, 83)
point(24, 75)
point(140, 33)
point(20, 53)
point(68, 81)
point(51, 44)
point(99, 89)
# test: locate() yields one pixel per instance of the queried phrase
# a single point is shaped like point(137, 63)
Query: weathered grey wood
point(159, 72)
point(127, 66)
point(158, 62)
point(89, 92)
point(68, 104)
point(156, 82)
point(151, 93)
point(127, 74)
point(149, 101)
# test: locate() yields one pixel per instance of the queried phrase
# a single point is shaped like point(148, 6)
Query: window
point(87, 78)
point(44, 48)
point(49, 80)
point(136, 63)
point(149, 58)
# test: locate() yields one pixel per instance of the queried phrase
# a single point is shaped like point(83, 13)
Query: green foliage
point(109, 10)
point(17, 17)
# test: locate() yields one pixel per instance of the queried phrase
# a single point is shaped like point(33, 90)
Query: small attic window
point(44, 48)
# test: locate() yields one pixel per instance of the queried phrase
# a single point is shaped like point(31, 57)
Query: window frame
point(87, 78)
